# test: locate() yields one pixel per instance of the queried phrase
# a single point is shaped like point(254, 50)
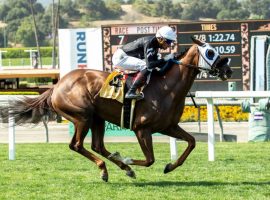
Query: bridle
point(212, 70)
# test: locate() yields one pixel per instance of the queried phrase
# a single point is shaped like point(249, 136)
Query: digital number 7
point(121, 39)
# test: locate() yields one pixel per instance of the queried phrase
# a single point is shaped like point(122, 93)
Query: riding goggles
point(169, 41)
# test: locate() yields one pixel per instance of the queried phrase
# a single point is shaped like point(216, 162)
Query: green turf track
point(52, 171)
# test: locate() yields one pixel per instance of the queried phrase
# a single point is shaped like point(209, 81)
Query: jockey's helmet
point(166, 34)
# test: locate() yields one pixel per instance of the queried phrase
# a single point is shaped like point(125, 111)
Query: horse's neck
point(184, 81)
point(183, 76)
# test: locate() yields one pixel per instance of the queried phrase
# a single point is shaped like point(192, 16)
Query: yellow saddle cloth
point(113, 87)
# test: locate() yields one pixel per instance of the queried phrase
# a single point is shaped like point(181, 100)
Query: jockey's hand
point(169, 57)
point(177, 56)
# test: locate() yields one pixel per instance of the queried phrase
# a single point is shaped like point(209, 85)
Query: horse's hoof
point(167, 168)
point(104, 177)
point(131, 174)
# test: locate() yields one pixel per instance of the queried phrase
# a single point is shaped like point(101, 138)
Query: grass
point(52, 171)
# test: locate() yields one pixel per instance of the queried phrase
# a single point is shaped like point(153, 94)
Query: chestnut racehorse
point(76, 98)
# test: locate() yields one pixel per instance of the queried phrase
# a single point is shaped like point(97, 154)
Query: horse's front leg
point(144, 137)
point(179, 133)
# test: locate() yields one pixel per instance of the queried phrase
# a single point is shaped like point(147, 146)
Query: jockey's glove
point(169, 57)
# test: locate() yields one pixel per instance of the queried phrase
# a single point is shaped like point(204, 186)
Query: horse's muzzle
point(228, 73)
point(224, 70)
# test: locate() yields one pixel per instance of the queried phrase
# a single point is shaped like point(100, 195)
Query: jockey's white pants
point(122, 61)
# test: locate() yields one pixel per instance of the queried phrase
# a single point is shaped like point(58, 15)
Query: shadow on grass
point(199, 183)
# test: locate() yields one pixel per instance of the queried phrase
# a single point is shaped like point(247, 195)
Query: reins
point(189, 65)
point(179, 62)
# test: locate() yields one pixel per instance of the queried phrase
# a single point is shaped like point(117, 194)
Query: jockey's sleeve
point(151, 58)
point(156, 63)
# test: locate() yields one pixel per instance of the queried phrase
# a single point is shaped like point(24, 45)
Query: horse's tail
point(29, 110)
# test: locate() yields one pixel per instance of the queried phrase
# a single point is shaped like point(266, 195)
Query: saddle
point(115, 87)
point(117, 84)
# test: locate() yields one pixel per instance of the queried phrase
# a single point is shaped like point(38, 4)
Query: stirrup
point(135, 96)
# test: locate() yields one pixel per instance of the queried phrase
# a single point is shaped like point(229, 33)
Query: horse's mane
point(182, 54)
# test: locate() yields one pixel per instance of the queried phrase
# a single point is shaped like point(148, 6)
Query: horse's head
point(212, 62)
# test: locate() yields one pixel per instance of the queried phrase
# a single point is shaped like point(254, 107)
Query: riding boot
point(138, 82)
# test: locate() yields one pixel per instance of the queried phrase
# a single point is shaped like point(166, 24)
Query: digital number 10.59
point(226, 49)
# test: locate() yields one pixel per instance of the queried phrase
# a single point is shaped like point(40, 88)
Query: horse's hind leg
point(81, 129)
point(179, 133)
point(98, 130)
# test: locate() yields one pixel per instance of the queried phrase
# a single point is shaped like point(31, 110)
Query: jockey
point(142, 55)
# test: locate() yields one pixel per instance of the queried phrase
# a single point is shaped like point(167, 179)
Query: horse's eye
point(210, 54)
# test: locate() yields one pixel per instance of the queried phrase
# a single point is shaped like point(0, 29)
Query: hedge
point(227, 113)
point(20, 53)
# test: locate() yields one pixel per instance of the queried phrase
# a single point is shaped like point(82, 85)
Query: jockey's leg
point(138, 82)
point(125, 62)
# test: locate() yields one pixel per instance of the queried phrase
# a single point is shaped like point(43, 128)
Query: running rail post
point(11, 137)
point(211, 132)
point(173, 148)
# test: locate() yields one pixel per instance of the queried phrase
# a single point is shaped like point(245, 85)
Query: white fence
point(210, 96)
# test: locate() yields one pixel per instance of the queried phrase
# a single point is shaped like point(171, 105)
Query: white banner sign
point(80, 48)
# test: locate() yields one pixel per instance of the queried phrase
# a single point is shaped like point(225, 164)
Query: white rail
point(11, 124)
point(209, 96)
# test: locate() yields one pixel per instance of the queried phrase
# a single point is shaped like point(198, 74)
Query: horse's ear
point(198, 42)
